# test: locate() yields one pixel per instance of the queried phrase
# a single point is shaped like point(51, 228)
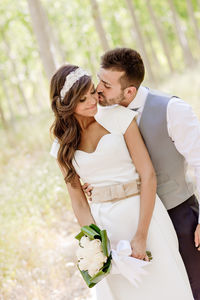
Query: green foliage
point(72, 24)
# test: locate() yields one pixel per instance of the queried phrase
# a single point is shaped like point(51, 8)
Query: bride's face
point(87, 105)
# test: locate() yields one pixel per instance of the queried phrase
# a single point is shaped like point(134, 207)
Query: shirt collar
point(140, 98)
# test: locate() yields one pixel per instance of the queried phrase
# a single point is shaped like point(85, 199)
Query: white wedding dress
point(110, 163)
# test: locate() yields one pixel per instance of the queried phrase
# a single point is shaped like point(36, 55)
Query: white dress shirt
point(183, 128)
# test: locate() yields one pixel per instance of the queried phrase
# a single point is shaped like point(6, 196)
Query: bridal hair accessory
point(71, 79)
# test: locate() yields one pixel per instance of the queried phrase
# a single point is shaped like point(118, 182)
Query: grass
point(34, 205)
point(32, 193)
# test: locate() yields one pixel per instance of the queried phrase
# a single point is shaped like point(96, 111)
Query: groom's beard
point(103, 101)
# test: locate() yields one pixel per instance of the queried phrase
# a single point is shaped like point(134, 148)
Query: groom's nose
point(99, 88)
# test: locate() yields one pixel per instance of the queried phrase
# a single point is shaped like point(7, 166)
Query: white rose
point(90, 255)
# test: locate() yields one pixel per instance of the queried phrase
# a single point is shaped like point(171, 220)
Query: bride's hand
point(138, 245)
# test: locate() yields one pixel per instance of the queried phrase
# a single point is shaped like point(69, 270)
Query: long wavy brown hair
point(65, 127)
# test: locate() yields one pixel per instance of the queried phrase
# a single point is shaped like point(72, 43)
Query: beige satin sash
point(116, 191)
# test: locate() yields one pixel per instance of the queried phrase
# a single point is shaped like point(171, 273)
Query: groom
point(171, 133)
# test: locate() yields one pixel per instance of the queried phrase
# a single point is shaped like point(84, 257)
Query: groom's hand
point(197, 237)
point(87, 188)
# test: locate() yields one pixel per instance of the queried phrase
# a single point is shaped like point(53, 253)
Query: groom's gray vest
point(173, 187)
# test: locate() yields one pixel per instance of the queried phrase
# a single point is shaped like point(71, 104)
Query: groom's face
point(109, 87)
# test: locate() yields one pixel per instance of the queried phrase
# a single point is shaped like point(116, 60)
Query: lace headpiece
point(71, 79)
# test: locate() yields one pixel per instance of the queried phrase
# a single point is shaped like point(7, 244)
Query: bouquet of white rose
point(95, 259)
point(94, 255)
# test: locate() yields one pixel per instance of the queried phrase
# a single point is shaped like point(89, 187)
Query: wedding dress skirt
point(166, 278)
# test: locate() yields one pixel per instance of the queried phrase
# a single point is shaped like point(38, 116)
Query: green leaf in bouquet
point(79, 235)
point(87, 278)
point(96, 228)
point(105, 270)
point(91, 281)
point(91, 233)
point(107, 266)
point(98, 277)
point(105, 243)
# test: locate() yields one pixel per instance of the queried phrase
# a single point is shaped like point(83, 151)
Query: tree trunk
point(188, 58)
point(160, 34)
point(10, 109)
point(3, 119)
point(56, 46)
point(40, 28)
point(91, 59)
point(141, 43)
point(153, 51)
point(193, 19)
point(14, 68)
point(34, 86)
point(61, 53)
point(36, 98)
point(99, 25)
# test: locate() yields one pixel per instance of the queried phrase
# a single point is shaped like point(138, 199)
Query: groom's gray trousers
point(185, 220)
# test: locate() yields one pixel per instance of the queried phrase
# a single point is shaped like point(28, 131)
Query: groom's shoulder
point(159, 93)
point(173, 102)
point(161, 97)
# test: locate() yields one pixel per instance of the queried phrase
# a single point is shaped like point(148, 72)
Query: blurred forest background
point(36, 37)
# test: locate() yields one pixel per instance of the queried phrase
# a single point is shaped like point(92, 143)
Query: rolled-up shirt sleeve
point(184, 130)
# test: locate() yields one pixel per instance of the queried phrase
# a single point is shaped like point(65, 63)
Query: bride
point(117, 164)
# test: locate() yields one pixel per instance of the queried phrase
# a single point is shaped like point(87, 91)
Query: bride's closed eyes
point(92, 92)
point(82, 100)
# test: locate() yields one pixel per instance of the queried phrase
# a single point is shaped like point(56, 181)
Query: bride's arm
point(146, 171)
point(79, 202)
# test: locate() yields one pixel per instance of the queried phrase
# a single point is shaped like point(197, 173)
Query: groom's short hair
point(127, 60)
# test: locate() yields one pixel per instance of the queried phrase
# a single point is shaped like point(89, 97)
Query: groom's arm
point(184, 130)
point(87, 189)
